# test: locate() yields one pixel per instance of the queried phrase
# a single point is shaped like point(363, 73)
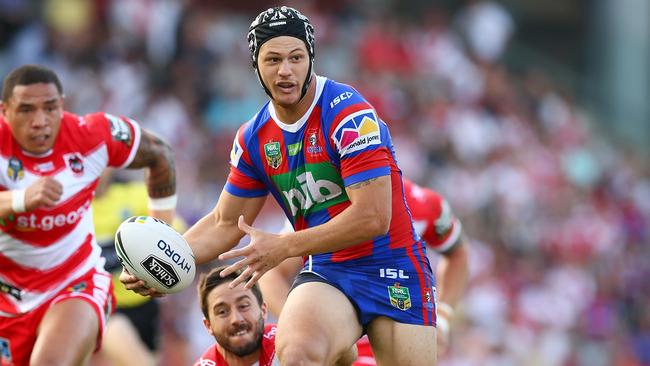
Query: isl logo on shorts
point(399, 296)
point(5, 351)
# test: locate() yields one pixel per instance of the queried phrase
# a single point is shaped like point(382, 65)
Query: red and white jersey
point(42, 250)
point(432, 217)
point(212, 357)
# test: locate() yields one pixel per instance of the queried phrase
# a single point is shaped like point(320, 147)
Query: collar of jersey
point(295, 127)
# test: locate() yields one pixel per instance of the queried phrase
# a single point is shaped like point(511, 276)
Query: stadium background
point(531, 117)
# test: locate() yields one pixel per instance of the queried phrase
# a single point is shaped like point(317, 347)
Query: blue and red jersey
point(306, 165)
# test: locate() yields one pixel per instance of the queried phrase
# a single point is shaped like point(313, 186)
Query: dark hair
point(26, 75)
point(213, 279)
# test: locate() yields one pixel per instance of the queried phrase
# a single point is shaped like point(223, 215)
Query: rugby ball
point(154, 252)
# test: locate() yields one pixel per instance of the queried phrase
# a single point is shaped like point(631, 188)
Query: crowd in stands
point(557, 215)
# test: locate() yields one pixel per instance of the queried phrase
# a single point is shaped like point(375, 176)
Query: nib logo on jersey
point(359, 131)
point(310, 188)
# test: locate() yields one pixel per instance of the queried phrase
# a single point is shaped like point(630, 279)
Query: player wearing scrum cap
point(321, 150)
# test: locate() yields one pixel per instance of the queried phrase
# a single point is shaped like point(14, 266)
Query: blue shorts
point(400, 287)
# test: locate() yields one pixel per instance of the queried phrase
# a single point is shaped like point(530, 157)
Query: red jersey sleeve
point(121, 136)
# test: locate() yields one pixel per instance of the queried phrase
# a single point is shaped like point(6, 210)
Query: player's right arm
point(44, 192)
point(217, 232)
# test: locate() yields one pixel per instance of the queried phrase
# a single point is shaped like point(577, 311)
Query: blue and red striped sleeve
point(243, 179)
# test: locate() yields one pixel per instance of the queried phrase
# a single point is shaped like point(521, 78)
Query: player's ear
point(264, 311)
point(206, 324)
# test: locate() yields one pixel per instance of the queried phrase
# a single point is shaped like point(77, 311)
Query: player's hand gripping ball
point(154, 252)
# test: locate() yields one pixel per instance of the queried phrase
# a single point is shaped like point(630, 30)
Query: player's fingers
point(243, 226)
point(242, 277)
point(256, 277)
point(235, 267)
point(241, 252)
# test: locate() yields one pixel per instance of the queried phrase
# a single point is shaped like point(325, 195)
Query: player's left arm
point(451, 280)
point(367, 217)
point(157, 158)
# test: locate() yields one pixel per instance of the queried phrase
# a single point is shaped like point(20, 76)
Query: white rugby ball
point(154, 252)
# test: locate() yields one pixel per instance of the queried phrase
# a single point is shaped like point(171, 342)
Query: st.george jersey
point(42, 250)
point(212, 357)
point(433, 218)
point(339, 141)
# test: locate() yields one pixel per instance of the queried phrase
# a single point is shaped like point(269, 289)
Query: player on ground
point(54, 293)
point(435, 222)
point(321, 150)
point(235, 318)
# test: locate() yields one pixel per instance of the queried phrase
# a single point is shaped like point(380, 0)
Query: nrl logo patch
point(15, 169)
point(273, 154)
point(399, 296)
point(119, 129)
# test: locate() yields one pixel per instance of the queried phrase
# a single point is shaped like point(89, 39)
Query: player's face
point(34, 115)
point(283, 63)
point(236, 319)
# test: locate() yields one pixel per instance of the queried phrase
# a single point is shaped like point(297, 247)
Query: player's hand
point(136, 285)
point(262, 253)
point(45, 192)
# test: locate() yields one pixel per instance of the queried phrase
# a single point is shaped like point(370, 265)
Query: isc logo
point(340, 98)
point(392, 273)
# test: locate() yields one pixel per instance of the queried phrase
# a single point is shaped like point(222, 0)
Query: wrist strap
point(18, 201)
point(165, 203)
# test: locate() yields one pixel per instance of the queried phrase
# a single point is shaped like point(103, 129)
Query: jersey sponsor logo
point(119, 129)
point(5, 351)
point(75, 162)
point(236, 152)
point(44, 167)
point(294, 149)
point(15, 169)
point(78, 287)
point(357, 132)
point(273, 154)
point(392, 273)
point(11, 290)
point(32, 222)
point(205, 362)
point(310, 188)
point(341, 97)
point(400, 297)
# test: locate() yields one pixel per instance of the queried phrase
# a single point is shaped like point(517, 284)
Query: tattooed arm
point(157, 157)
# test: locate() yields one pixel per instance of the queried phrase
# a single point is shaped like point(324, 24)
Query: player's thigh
point(319, 320)
point(122, 343)
point(67, 334)
point(402, 344)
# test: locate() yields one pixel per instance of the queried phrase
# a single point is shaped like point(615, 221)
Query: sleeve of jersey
point(243, 180)
point(362, 142)
point(120, 134)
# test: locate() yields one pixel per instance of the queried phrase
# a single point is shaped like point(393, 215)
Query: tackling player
point(321, 150)
point(54, 293)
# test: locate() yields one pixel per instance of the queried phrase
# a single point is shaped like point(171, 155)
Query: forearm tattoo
point(361, 184)
point(157, 156)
